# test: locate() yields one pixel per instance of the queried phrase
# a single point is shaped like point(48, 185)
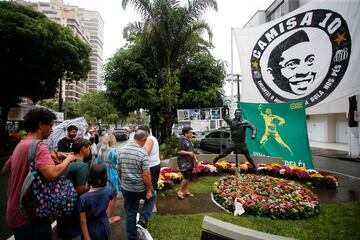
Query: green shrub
point(169, 147)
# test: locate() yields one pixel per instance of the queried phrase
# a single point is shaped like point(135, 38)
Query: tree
point(51, 103)
point(172, 33)
point(35, 54)
point(201, 80)
point(71, 110)
point(95, 106)
point(130, 77)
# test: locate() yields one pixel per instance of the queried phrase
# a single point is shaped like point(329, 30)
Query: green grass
point(198, 185)
point(335, 221)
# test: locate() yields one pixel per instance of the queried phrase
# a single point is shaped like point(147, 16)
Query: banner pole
point(232, 70)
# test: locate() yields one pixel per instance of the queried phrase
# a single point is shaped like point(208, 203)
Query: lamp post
point(138, 117)
point(99, 123)
point(237, 79)
point(234, 78)
point(238, 86)
point(60, 107)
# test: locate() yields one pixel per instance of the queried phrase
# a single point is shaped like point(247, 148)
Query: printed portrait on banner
point(303, 57)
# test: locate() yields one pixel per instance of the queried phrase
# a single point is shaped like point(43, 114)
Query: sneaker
point(141, 201)
point(142, 223)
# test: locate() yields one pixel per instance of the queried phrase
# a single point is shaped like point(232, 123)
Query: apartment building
point(89, 26)
point(94, 23)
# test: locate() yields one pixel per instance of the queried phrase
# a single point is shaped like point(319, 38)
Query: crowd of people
point(98, 176)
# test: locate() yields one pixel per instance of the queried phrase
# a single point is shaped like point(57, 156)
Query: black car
point(121, 134)
point(216, 141)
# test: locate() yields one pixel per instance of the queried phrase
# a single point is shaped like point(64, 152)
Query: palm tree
point(173, 33)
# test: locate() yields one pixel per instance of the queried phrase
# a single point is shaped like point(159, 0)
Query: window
point(226, 135)
point(214, 135)
point(49, 12)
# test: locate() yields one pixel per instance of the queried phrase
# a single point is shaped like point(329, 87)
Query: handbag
point(51, 199)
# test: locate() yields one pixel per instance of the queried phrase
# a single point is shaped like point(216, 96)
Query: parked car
point(198, 135)
point(216, 141)
point(121, 134)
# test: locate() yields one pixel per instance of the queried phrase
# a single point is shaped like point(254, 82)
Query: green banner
point(281, 132)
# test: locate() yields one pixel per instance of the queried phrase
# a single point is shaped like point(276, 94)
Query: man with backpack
point(38, 123)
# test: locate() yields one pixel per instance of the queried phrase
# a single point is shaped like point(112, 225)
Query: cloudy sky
point(230, 14)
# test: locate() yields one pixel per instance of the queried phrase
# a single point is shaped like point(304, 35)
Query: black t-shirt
point(185, 162)
point(65, 145)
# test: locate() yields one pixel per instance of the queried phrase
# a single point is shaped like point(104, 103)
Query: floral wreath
point(261, 195)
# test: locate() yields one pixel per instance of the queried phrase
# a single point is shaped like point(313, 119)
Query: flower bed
point(266, 196)
point(168, 177)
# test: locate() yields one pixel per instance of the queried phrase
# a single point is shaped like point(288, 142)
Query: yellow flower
point(275, 165)
point(300, 168)
point(160, 184)
point(316, 175)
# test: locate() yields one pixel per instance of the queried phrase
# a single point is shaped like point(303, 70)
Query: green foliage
point(95, 106)
point(130, 78)
point(71, 110)
point(36, 52)
point(144, 118)
point(335, 221)
point(51, 103)
point(201, 81)
point(159, 46)
point(195, 143)
point(169, 147)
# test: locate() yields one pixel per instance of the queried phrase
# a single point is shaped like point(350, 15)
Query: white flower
point(212, 168)
point(312, 171)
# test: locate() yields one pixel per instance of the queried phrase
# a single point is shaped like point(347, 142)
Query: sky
point(230, 14)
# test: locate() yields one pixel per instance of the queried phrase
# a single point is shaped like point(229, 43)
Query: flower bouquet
point(266, 196)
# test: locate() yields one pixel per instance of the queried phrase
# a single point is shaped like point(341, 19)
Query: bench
point(214, 229)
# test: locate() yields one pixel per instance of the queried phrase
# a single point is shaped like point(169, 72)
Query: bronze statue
point(238, 133)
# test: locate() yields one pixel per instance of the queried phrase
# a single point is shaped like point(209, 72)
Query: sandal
point(154, 210)
point(180, 195)
point(189, 195)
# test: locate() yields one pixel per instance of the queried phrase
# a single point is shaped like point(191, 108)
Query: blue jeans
point(39, 230)
point(131, 205)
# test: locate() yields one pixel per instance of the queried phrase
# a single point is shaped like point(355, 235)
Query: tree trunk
point(3, 134)
point(60, 97)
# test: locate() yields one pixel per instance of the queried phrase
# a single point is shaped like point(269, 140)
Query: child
point(92, 205)
point(109, 156)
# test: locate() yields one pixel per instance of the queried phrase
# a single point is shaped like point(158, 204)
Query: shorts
point(187, 174)
point(69, 226)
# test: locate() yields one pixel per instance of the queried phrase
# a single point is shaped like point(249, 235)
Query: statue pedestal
point(237, 170)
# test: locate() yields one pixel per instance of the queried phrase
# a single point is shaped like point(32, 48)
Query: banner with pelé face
point(280, 132)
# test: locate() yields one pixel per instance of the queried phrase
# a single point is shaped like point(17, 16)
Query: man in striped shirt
point(136, 183)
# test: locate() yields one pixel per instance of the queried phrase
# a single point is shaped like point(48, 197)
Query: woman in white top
point(152, 148)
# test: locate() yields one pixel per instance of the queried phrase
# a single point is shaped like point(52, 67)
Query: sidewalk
point(331, 150)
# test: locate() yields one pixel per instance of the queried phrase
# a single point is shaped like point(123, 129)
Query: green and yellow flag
point(281, 131)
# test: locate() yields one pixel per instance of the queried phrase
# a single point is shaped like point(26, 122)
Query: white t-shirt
point(87, 136)
point(154, 157)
